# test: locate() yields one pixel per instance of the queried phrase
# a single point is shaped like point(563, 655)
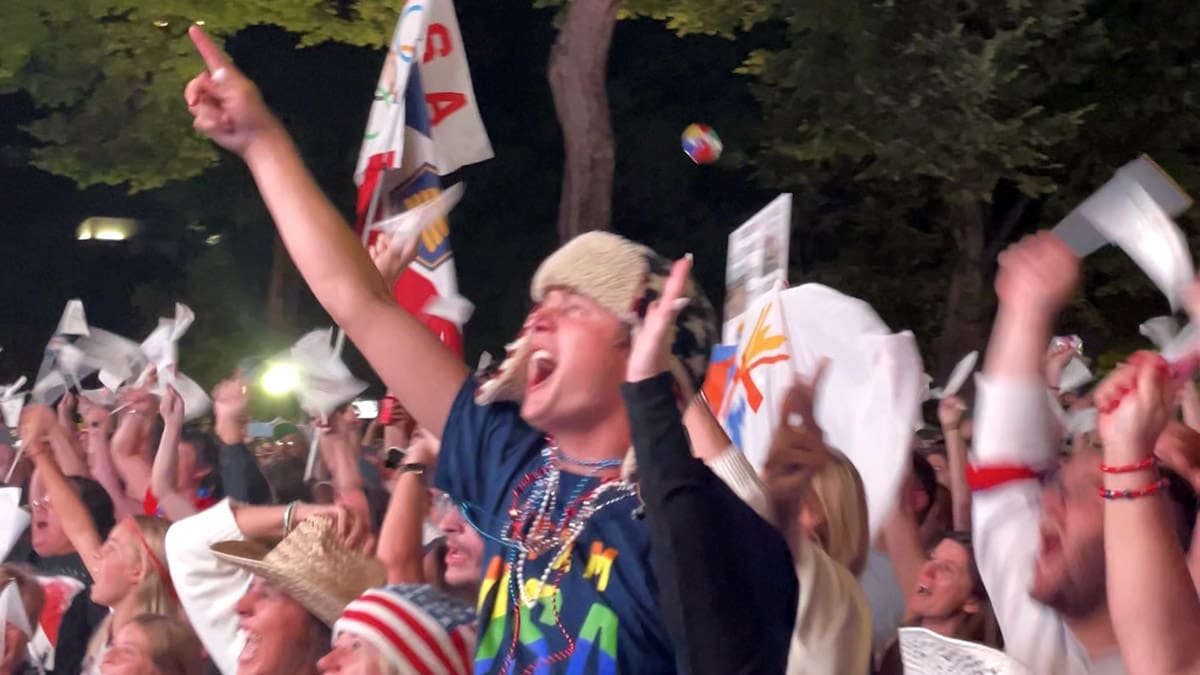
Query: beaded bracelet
point(1135, 493)
point(1129, 468)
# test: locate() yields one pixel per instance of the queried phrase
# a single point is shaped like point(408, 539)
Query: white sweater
point(1014, 428)
point(209, 588)
point(833, 619)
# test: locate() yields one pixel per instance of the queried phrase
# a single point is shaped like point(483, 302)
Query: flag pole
point(372, 207)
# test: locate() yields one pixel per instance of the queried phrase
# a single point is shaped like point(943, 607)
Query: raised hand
point(1135, 402)
point(1057, 358)
point(950, 412)
point(650, 353)
point(171, 409)
point(66, 410)
point(97, 418)
point(1037, 275)
point(37, 421)
point(225, 104)
point(231, 399)
point(798, 447)
point(1179, 448)
point(391, 258)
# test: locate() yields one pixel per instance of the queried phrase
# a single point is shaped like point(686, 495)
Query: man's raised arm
point(227, 108)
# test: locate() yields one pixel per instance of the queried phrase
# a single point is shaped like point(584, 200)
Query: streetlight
point(106, 229)
point(280, 379)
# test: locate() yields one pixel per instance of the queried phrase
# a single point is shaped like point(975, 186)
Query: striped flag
point(424, 124)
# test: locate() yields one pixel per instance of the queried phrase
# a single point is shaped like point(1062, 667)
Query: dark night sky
point(658, 84)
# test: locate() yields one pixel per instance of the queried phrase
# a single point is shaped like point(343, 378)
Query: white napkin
point(1159, 330)
point(73, 320)
point(1074, 375)
point(13, 519)
point(12, 402)
point(1081, 421)
point(455, 308)
point(412, 222)
point(325, 381)
point(958, 377)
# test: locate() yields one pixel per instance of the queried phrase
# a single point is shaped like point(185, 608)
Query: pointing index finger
point(214, 60)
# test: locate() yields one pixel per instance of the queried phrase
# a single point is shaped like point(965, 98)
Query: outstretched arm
point(39, 428)
point(163, 478)
point(1150, 593)
point(227, 107)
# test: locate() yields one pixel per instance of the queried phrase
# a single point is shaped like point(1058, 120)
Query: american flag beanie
point(416, 627)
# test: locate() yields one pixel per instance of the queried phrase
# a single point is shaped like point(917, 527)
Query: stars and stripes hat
point(417, 628)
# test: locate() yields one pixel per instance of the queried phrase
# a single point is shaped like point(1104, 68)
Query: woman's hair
point(844, 533)
point(32, 595)
point(97, 502)
point(155, 594)
point(173, 648)
point(981, 626)
point(208, 456)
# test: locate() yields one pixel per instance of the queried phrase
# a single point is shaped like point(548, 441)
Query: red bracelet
point(1145, 491)
point(1130, 468)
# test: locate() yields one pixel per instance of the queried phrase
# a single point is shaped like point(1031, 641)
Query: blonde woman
point(152, 644)
point(128, 569)
point(816, 498)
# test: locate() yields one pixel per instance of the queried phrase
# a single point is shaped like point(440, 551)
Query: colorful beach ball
point(702, 144)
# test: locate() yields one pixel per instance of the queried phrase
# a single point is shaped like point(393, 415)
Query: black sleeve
point(78, 623)
point(727, 584)
point(241, 479)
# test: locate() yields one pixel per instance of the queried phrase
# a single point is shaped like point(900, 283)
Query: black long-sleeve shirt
point(726, 578)
point(241, 478)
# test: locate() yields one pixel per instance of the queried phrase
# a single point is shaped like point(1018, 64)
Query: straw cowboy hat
point(311, 565)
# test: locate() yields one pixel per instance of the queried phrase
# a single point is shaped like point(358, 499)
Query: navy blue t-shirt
point(603, 617)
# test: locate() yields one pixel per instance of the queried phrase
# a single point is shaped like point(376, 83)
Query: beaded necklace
point(534, 533)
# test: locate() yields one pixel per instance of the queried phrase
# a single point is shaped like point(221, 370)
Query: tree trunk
point(577, 73)
point(968, 305)
point(282, 293)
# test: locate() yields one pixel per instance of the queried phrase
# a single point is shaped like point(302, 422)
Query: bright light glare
point(85, 236)
point(280, 379)
point(110, 235)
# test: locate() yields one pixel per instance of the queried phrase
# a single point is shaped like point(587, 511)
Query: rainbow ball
point(702, 144)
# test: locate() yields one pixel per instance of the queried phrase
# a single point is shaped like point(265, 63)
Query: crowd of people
point(578, 508)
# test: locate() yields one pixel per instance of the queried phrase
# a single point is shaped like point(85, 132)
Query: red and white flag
point(424, 124)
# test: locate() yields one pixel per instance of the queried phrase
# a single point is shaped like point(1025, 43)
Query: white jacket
point(209, 588)
point(1014, 428)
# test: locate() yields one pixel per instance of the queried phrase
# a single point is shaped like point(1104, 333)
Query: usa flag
point(424, 124)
